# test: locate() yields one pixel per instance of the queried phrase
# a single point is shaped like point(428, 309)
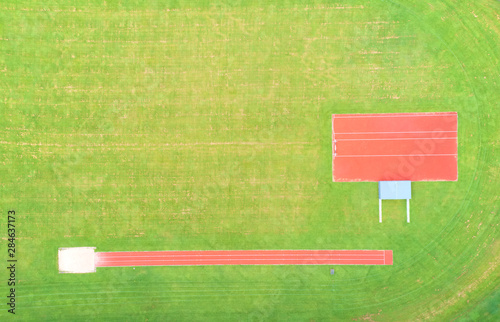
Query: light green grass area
point(176, 125)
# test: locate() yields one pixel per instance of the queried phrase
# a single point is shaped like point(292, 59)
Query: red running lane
point(244, 257)
point(405, 146)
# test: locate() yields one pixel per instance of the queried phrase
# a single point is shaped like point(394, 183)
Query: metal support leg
point(407, 210)
point(380, 210)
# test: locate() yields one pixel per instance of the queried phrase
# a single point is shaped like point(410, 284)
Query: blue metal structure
point(394, 190)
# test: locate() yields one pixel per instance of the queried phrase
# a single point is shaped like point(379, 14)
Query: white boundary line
point(240, 259)
point(251, 256)
point(453, 138)
point(348, 116)
point(334, 150)
point(396, 155)
point(242, 250)
point(309, 264)
point(441, 131)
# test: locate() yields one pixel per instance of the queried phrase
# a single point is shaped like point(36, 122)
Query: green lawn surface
point(206, 125)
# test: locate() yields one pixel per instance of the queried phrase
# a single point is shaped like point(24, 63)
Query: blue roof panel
point(394, 190)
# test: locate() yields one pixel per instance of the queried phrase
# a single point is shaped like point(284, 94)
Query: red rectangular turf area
point(403, 146)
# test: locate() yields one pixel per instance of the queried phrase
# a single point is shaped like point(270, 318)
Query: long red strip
point(245, 257)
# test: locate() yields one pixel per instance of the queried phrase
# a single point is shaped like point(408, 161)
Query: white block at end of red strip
point(76, 260)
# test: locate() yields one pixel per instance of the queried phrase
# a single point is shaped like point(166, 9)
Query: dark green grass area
point(207, 126)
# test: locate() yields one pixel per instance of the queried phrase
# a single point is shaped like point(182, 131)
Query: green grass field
point(135, 125)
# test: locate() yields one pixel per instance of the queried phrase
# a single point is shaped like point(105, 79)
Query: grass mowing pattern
point(173, 126)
